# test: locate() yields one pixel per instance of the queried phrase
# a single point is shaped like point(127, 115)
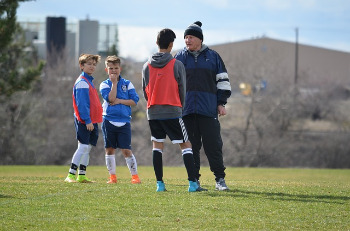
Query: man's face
point(193, 43)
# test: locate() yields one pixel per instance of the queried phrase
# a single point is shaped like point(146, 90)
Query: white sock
point(110, 163)
point(132, 165)
point(78, 156)
point(88, 159)
point(84, 158)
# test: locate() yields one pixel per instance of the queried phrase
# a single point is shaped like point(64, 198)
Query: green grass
point(36, 198)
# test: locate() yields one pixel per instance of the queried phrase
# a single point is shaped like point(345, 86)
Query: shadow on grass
point(5, 196)
point(283, 196)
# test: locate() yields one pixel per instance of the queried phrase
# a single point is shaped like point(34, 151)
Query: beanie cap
point(195, 30)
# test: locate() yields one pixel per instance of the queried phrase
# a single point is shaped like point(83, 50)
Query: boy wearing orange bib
point(164, 87)
point(87, 114)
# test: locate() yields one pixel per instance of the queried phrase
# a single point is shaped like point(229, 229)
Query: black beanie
point(195, 30)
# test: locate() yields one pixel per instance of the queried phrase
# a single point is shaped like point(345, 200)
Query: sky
point(321, 23)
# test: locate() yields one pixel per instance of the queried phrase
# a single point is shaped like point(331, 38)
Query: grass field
point(36, 198)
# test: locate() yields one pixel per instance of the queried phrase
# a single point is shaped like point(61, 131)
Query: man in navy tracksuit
point(208, 88)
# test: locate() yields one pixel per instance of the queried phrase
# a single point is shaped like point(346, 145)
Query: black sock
point(189, 164)
point(158, 164)
point(74, 167)
point(82, 169)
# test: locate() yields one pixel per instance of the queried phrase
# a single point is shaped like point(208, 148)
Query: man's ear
point(106, 69)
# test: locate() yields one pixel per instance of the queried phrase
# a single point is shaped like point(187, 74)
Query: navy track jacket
point(207, 82)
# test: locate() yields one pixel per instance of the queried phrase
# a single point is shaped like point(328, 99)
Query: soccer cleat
point(199, 187)
point(193, 186)
point(160, 186)
point(84, 179)
point(221, 185)
point(112, 179)
point(70, 178)
point(135, 179)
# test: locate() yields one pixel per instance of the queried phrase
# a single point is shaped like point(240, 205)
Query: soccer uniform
point(162, 90)
point(116, 118)
point(87, 109)
point(164, 86)
point(116, 126)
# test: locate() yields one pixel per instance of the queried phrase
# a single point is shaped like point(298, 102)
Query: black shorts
point(174, 128)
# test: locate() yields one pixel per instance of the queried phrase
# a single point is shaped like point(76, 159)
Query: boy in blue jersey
point(119, 95)
point(87, 113)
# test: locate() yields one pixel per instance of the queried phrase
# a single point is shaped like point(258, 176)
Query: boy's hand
point(90, 127)
point(113, 78)
point(116, 101)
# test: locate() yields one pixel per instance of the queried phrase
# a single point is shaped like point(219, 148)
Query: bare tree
point(272, 122)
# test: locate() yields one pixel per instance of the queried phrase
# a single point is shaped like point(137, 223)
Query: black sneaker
point(221, 185)
point(199, 187)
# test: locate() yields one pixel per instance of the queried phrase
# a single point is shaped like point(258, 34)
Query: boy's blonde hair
point(112, 59)
point(83, 58)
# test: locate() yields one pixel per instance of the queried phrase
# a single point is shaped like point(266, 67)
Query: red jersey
point(163, 88)
point(95, 105)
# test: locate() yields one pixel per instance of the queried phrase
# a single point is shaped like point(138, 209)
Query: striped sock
point(187, 156)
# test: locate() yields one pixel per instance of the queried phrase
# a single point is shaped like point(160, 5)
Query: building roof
point(272, 59)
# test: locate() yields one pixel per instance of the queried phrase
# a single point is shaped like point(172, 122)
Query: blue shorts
point(116, 137)
point(83, 135)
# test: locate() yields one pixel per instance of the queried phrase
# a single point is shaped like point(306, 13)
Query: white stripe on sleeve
point(81, 84)
point(131, 86)
point(104, 85)
point(223, 81)
point(222, 76)
point(224, 85)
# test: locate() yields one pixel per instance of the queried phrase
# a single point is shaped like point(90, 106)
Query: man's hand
point(221, 110)
point(90, 127)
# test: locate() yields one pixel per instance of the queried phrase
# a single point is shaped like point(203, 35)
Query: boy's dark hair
point(165, 37)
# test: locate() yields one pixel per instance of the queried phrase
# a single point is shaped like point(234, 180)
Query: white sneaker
point(221, 185)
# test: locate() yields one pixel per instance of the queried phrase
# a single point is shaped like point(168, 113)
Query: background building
point(55, 38)
point(55, 34)
point(274, 62)
point(86, 36)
